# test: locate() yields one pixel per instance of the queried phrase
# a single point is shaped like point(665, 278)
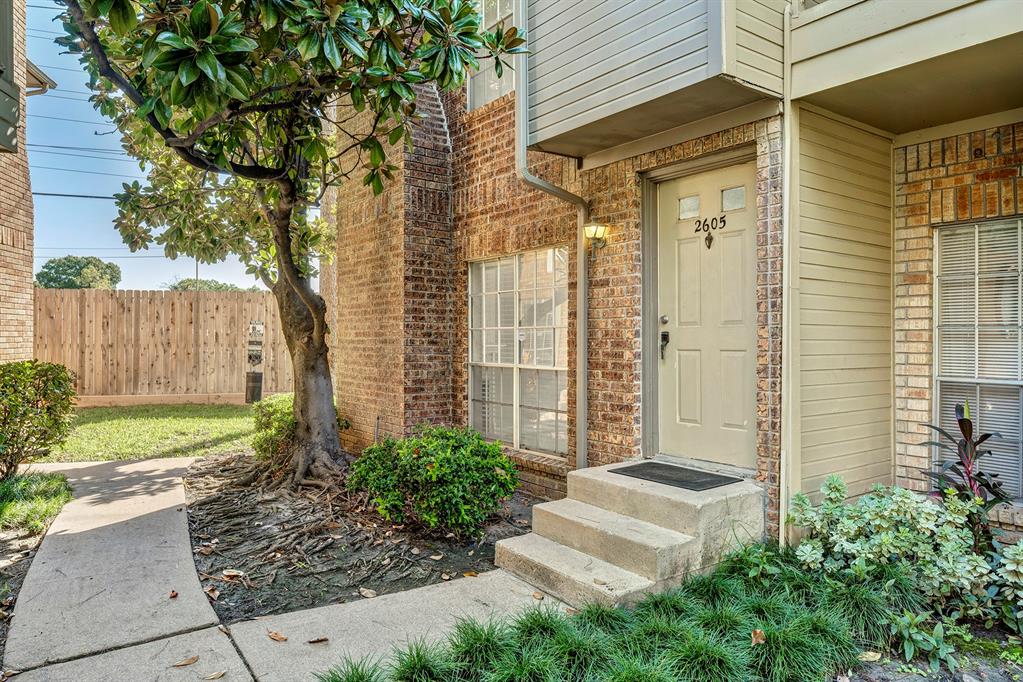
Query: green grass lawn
point(148, 431)
point(29, 502)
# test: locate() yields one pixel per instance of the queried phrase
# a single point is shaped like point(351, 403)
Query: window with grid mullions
point(518, 350)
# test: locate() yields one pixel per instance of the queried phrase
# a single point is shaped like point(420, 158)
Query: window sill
point(1008, 516)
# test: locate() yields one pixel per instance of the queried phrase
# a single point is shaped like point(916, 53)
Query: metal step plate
point(679, 477)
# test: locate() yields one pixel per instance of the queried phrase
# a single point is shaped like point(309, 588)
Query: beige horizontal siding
point(759, 55)
point(845, 303)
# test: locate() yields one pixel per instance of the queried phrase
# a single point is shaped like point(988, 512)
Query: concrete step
point(654, 552)
point(722, 518)
point(571, 576)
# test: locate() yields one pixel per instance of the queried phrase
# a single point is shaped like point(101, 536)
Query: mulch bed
point(261, 552)
point(17, 548)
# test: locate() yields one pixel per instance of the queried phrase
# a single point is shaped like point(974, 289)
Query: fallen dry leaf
point(231, 574)
point(415, 550)
point(174, 594)
point(276, 636)
point(538, 596)
point(842, 678)
point(212, 592)
point(870, 656)
point(758, 637)
point(223, 628)
point(386, 561)
point(470, 574)
point(318, 640)
point(436, 557)
point(187, 661)
point(570, 611)
point(598, 581)
point(445, 576)
point(367, 593)
point(215, 676)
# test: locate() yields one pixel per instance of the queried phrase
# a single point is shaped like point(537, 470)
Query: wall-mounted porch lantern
point(596, 233)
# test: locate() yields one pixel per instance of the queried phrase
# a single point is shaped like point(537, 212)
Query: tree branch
point(187, 152)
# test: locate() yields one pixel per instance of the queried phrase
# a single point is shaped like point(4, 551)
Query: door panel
point(707, 305)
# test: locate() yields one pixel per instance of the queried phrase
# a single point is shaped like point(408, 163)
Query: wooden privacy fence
point(136, 347)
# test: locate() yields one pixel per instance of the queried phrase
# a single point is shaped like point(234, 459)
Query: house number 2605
point(708, 224)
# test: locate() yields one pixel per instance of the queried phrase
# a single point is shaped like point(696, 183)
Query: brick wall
point(970, 177)
point(388, 289)
point(16, 228)
point(492, 213)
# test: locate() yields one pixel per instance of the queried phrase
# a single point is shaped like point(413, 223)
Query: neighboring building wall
point(843, 304)
point(968, 177)
point(16, 227)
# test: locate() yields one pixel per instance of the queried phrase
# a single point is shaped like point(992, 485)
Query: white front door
point(707, 327)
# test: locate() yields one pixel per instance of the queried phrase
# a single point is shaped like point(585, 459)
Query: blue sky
point(85, 227)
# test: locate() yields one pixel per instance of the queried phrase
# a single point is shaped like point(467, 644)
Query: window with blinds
point(518, 350)
point(485, 85)
point(979, 337)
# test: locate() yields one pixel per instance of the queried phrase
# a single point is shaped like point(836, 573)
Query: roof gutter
point(582, 260)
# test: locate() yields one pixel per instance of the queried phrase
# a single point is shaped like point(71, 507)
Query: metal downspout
point(582, 274)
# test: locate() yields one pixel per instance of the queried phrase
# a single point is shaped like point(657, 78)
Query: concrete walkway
point(96, 602)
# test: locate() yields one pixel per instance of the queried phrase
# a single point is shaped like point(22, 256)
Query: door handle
point(664, 342)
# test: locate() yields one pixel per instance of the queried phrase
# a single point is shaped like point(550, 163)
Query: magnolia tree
point(243, 112)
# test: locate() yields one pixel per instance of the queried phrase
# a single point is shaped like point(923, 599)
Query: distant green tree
point(193, 284)
point(78, 272)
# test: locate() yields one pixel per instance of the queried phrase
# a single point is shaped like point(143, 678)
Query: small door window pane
point(733, 199)
point(689, 207)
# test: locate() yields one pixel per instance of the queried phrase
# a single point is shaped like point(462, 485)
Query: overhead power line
point(77, 148)
point(71, 120)
point(104, 257)
point(85, 172)
point(72, 196)
point(84, 156)
point(61, 68)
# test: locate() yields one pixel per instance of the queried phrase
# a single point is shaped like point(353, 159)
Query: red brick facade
point(492, 213)
point(970, 177)
point(16, 228)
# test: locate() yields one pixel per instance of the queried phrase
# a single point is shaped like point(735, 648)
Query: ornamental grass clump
point(738, 623)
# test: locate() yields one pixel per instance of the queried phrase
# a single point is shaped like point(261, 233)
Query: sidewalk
point(96, 603)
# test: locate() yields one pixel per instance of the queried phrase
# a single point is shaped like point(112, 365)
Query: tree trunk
point(316, 454)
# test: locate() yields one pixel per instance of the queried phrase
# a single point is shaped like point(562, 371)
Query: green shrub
point(932, 542)
point(442, 477)
point(36, 407)
point(275, 426)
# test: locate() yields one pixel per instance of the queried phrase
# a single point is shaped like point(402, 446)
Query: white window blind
point(485, 85)
point(979, 338)
point(518, 350)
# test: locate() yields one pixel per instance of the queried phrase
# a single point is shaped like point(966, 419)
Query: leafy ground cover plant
point(932, 542)
point(728, 626)
point(446, 478)
point(923, 550)
point(36, 407)
point(30, 501)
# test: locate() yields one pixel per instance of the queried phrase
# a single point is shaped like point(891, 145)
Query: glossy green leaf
point(331, 52)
